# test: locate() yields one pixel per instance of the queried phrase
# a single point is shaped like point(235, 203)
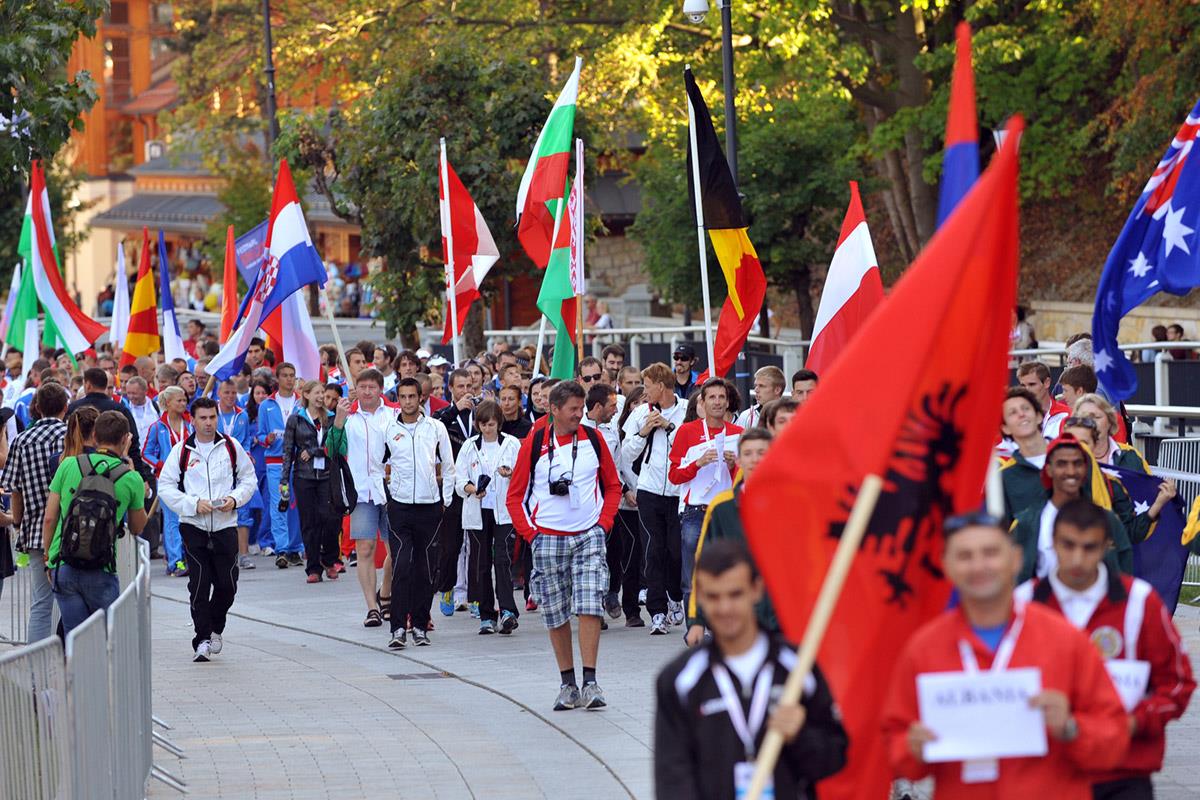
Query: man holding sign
point(1128, 624)
point(994, 699)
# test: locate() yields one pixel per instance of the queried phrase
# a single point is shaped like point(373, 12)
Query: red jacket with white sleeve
point(688, 436)
point(596, 487)
point(1131, 611)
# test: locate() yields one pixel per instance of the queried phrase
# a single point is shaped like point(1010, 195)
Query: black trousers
point(450, 541)
point(319, 525)
point(658, 517)
point(413, 538)
point(212, 577)
point(1125, 789)
point(624, 550)
point(491, 552)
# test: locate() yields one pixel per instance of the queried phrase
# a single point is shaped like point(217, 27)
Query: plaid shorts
point(570, 575)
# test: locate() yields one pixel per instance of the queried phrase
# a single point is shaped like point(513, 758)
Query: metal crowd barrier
point(78, 723)
point(1183, 455)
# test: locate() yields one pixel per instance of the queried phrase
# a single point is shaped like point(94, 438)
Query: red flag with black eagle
point(915, 399)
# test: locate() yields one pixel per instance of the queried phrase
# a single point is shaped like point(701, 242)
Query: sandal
point(373, 619)
point(385, 605)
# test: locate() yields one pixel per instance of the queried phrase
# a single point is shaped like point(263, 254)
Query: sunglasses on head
point(959, 521)
point(1081, 422)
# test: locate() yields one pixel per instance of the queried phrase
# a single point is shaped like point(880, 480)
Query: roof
point(159, 97)
point(616, 197)
point(187, 213)
point(178, 162)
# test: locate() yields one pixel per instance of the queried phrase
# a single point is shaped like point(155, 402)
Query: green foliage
point(246, 198)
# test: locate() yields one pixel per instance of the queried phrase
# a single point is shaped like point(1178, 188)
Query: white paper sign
point(983, 715)
point(1131, 679)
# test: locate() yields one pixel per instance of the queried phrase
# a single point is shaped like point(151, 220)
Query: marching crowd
point(486, 488)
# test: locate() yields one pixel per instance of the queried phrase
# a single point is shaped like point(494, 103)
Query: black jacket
point(451, 417)
point(696, 746)
point(518, 427)
point(102, 402)
point(299, 436)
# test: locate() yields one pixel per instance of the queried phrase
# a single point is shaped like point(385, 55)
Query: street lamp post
point(269, 72)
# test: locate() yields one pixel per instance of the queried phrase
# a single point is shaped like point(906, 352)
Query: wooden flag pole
point(337, 340)
point(818, 623)
point(541, 342)
point(708, 332)
point(448, 232)
point(577, 236)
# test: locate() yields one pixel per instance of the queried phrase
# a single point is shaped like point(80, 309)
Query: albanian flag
point(726, 227)
point(939, 349)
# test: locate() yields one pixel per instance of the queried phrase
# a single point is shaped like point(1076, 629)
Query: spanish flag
point(141, 339)
point(726, 226)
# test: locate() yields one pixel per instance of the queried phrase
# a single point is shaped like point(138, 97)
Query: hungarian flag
point(229, 279)
point(141, 336)
point(939, 347)
point(540, 207)
point(76, 330)
point(14, 288)
point(722, 217)
point(22, 329)
point(467, 244)
point(119, 323)
point(852, 290)
point(960, 163)
point(172, 336)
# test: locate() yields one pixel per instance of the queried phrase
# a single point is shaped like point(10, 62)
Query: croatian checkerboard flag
point(1156, 252)
point(290, 263)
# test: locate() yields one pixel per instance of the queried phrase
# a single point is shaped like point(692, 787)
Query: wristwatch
point(1070, 730)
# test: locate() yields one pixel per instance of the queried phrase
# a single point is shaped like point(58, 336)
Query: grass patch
point(1190, 595)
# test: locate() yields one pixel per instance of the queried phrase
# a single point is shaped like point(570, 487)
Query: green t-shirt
point(129, 489)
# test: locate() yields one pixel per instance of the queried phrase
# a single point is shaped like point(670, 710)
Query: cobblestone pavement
point(306, 703)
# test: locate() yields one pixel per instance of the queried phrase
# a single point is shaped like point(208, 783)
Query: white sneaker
point(658, 625)
point(642, 597)
point(203, 651)
point(675, 612)
point(267, 551)
point(214, 644)
point(253, 550)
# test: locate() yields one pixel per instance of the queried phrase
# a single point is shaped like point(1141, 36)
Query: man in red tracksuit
point(1087, 730)
point(1127, 622)
point(563, 497)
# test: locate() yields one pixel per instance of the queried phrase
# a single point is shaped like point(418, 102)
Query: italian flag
point(73, 328)
point(540, 211)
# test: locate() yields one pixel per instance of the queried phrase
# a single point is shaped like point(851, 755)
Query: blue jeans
point(690, 523)
point(172, 543)
point(82, 592)
point(41, 605)
point(285, 526)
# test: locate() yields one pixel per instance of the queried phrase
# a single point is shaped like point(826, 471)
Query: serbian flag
point(852, 290)
point(291, 263)
point(76, 330)
point(141, 336)
point(940, 347)
point(960, 163)
point(726, 225)
point(229, 279)
point(467, 244)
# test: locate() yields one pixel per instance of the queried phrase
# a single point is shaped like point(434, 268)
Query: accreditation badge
point(743, 776)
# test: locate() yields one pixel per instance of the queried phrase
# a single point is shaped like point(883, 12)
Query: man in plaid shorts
point(563, 498)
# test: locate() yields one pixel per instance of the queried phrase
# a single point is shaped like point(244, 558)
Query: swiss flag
point(914, 399)
point(852, 290)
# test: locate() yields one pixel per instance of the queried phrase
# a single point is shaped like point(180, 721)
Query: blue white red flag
point(1156, 252)
point(1161, 557)
point(291, 263)
point(960, 163)
point(172, 337)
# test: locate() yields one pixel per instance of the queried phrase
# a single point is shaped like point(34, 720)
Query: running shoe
point(399, 640)
point(568, 698)
point(460, 604)
point(592, 696)
point(331, 573)
point(339, 566)
point(446, 604)
point(675, 612)
point(642, 597)
point(215, 643)
point(313, 579)
point(255, 550)
point(267, 551)
point(612, 605)
point(635, 622)
point(245, 562)
point(658, 625)
point(293, 559)
point(474, 610)
point(508, 622)
point(281, 561)
point(181, 569)
point(420, 638)
point(353, 560)
point(531, 604)
point(203, 651)
point(487, 627)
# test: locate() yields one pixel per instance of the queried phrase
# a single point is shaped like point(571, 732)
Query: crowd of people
point(489, 489)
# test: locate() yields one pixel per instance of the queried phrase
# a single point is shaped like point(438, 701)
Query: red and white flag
point(75, 329)
point(853, 289)
point(467, 245)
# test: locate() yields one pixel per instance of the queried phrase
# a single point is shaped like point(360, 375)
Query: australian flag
point(1161, 558)
point(1157, 251)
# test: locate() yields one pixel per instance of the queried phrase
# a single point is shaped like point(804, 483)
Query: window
point(161, 13)
point(118, 13)
point(116, 70)
point(160, 52)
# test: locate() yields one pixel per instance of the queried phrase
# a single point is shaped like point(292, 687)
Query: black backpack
point(92, 527)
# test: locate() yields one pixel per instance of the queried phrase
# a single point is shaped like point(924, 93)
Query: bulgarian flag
point(540, 207)
point(76, 330)
point(141, 337)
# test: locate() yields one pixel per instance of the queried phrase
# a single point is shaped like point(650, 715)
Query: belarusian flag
point(540, 207)
point(75, 329)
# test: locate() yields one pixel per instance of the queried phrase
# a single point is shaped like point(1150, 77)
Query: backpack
point(183, 457)
point(92, 527)
point(539, 436)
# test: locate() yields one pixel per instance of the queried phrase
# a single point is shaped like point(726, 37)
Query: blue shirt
point(991, 636)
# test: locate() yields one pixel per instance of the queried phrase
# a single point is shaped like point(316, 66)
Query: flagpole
point(541, 342)
point(577, 231)
point(558, 218)
point(337, 340)
point(448, 232)
point(708, 333)
point(818, 623)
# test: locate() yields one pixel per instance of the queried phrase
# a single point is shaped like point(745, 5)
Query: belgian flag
point(726, 226)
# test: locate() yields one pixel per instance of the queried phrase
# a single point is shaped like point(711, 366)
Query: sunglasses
point(589, 378)
point(1081, 422)
point(958, 522)
point(682, 358)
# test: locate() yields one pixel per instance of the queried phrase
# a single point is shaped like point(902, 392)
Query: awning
point(158, 97)
point(187, 213)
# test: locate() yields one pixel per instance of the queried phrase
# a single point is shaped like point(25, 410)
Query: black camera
point(561, 487)
point(670, 425)
point(482, 484)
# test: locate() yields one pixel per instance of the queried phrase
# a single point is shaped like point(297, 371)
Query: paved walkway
point(306, 703)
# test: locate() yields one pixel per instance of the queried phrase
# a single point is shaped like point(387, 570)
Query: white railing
point(35, 746)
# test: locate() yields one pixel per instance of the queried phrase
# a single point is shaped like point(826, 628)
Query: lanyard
point(175, 437)
point(747, 729)
point(574, 452)
point(227, 422)
point(1003, 652)
point(466, 429)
